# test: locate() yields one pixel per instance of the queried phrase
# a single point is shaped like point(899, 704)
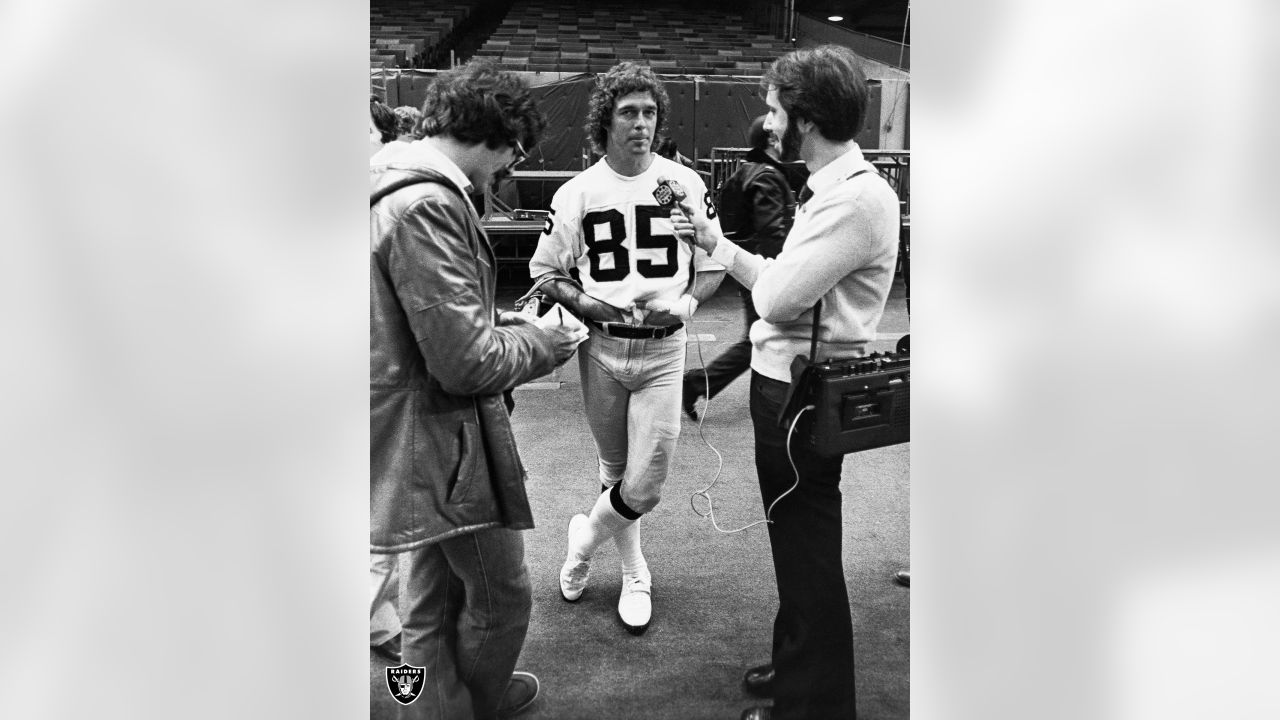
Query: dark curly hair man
point(623, 79)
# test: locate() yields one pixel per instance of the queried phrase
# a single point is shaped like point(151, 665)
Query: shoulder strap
point(813, 341)
point(475, 227)
point(414, 179)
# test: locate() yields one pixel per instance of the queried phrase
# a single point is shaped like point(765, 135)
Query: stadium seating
point(575, 36)
point(413, 33)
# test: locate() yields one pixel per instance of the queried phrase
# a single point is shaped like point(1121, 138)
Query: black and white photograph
point(640, 360)
point(656, 411)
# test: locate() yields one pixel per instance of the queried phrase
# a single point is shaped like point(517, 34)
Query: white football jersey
point(613, 231)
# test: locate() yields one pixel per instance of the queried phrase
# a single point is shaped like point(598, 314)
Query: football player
point(636, 286)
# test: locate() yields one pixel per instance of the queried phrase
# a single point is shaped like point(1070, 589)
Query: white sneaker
point(635, 606)
point(574, 573)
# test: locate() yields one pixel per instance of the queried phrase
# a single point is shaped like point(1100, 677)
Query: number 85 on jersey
point(610, 242)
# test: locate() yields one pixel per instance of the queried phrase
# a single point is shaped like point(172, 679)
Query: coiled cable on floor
point(705, 492)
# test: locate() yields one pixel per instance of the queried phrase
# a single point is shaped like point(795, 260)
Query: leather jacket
point(442, 455)
point(757, 206)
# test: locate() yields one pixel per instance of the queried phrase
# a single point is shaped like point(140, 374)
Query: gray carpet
point(713, 593)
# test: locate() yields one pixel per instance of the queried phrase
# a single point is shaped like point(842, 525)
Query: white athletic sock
point(627, 541)
point(603, 523)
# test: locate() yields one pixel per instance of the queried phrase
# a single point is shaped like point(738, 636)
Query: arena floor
point(713, 593)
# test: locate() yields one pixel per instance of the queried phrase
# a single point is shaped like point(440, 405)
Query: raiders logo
point(405, 682)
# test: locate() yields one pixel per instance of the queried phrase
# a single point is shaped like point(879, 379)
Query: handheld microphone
point(669, 192)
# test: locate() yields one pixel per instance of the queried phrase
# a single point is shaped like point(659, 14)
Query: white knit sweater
point(842, 250)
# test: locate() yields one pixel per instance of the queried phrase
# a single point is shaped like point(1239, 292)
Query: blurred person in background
point(669, 149)
point(384, 618)
point(756, 206)
point(382, 125)
point(447, 484)
point(407, 118)
point(841, 250)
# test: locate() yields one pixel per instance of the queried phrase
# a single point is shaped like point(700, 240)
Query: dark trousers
point(465, 605)
point(813, 632)
point(729, 365)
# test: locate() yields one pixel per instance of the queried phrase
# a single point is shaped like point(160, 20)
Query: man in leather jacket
point(447, 485)
point(756, 207)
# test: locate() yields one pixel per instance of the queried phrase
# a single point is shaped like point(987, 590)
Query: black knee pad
point(615, 499)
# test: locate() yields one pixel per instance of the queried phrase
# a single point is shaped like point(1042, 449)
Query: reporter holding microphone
point(841, 250)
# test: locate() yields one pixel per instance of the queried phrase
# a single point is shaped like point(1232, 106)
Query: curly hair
point(478, 103)
point(383, 119)
point(406, 119)
point(824, 85)
point(622, 79)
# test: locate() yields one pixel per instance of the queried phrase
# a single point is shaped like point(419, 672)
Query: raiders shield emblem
point(405, 682)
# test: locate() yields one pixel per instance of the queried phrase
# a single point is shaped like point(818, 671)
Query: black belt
point(634, 332)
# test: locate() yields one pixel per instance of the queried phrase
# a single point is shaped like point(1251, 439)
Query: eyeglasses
point(519, 155)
